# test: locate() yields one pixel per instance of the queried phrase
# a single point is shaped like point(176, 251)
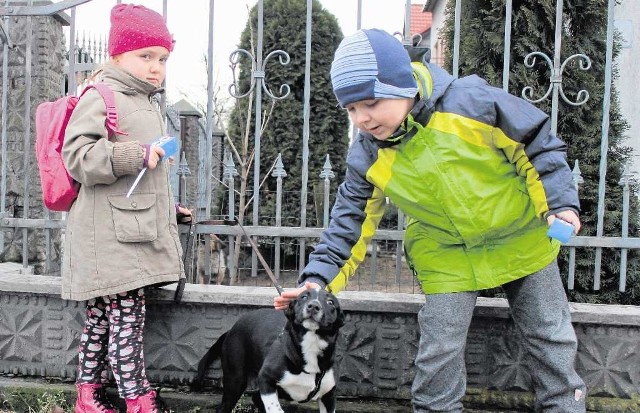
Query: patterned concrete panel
point(609, 359)
point(375, 350)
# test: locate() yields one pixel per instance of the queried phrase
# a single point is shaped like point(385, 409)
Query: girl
point(115, 245)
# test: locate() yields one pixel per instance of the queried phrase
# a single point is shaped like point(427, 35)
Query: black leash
point(315, 391)
point(181, 283)
point(261, 258)
point(177, 297)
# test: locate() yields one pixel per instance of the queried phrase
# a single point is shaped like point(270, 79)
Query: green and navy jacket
point(475, 169)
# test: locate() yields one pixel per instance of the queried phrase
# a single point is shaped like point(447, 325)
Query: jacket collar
point(419, 114)
point(428, 94)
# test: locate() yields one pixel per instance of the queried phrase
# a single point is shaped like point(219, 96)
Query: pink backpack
point(59, 189)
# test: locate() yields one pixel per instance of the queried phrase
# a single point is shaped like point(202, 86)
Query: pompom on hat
point(136, 27)
point(371, 64)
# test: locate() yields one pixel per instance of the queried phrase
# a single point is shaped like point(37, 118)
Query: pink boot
point(93, 399)
point(147, 403)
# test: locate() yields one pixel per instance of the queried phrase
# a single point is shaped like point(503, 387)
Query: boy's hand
point(281, 302)
point(567, 216)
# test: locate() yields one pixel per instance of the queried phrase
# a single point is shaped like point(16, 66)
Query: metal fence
point(285, 246)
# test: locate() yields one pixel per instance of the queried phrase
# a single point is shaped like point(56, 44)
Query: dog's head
point(215, 243)
point(316, 309)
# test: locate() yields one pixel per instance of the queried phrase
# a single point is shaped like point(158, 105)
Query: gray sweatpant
point(541, 314)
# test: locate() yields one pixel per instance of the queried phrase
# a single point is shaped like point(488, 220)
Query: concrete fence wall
point(39, 337)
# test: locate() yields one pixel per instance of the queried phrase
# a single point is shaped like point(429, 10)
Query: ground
point(49, 396)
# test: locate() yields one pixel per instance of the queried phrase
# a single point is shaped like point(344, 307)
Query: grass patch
point(34, 401)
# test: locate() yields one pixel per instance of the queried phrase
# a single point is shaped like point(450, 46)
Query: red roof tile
point(420, 21)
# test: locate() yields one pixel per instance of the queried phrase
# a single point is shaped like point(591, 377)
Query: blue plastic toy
point(170, 146)
point(561, 230)
point(168, 143)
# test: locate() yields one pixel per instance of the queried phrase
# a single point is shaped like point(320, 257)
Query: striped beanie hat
point(371, 64)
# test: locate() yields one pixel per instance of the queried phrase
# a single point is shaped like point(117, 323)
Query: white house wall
point(627, 22)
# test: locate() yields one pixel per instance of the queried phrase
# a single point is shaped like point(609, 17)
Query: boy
point(479, 176)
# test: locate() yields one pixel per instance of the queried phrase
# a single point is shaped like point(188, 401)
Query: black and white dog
point(289, 354)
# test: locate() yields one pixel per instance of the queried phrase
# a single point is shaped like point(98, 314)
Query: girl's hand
point(567, 216)
point(183, 215)
point(281, 302)
point(184, 211)
point(155, 154)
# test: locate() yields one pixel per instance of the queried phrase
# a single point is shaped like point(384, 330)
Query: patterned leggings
point(113, 336)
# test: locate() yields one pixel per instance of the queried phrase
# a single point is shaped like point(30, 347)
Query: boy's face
point(148, 64)
point(379, 117)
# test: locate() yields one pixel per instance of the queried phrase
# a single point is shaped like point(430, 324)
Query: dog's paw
point(271, 403)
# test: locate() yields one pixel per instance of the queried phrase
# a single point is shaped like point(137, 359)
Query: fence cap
point(603, 314)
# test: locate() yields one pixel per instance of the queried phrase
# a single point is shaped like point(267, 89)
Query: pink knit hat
point(135, 27)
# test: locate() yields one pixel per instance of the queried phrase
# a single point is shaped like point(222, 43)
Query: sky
point(186, 72)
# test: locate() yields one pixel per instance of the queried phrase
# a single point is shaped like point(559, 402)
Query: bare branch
point(273, 165)
point(266, 116)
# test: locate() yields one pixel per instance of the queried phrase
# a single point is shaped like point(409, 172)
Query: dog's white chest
point(300, 386)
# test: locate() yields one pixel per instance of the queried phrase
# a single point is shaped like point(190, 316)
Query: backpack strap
point(111, 122)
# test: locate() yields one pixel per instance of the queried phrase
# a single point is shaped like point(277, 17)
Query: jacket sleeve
point(89, 156)
point(523, 133)
point(355, 217)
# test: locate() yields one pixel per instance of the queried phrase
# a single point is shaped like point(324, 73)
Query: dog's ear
point(290, 312)
point(216, 243)
point(340, 319)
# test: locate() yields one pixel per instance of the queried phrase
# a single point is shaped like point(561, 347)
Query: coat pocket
point(134, 218)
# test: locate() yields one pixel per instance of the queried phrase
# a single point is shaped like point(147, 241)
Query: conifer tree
point(584, 31)
point(285, 29)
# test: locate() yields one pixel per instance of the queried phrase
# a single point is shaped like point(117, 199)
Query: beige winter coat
point(115, 244)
